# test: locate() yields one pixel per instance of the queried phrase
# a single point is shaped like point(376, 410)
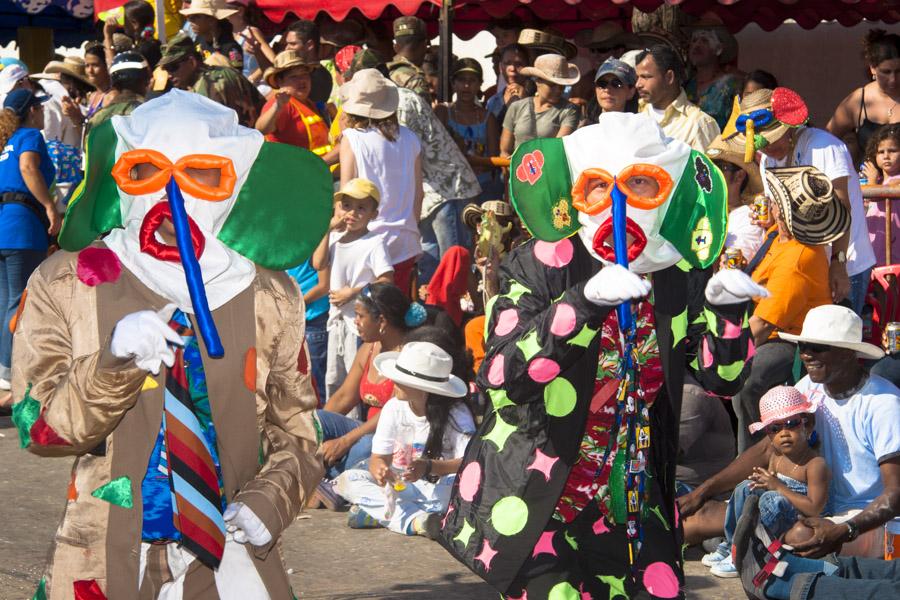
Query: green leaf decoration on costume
point(509, 515)
point(730, 372)
point(540, 189)
point(697, 212)
point(712, 321)
point(499, 399)
point(563, 591)
point(465, 534)
point(584, 337)
point(516, 291)
point(571, 540)
point(679, 327)
point(656, 510)
point(529, 345)
point(275, 222)
point(616, 585)
point(318, 426)
point(500, 433)
point(41, 592)
point(24, 414)
point(488, 312)
point(117, 491)
point(94, 207)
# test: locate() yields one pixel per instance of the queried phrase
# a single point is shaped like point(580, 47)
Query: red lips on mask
point(605, 231)
point(159, 250)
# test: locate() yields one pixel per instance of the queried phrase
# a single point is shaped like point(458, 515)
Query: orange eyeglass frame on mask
point(581, 200)
point(121, 173)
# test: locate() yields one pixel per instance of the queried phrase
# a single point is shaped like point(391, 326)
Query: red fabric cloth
point(403, 272)
point(450, 282)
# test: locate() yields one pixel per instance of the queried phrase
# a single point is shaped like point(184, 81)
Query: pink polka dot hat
point(780, 403)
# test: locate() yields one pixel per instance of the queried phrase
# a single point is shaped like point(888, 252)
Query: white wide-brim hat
point(833, 325)
point(423, 366)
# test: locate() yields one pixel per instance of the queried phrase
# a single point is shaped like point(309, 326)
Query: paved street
point(326, 559)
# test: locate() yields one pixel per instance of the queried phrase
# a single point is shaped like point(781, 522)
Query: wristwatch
point(852, 531)
point(841, 257)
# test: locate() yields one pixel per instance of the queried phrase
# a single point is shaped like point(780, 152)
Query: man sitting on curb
point(859, 426)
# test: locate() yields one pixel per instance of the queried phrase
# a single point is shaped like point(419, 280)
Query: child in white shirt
point(356, 257)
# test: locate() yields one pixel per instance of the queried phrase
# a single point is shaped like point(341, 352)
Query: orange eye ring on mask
point(581, 197)
point(122, 174)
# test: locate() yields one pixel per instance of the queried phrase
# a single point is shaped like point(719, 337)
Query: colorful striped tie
point(196, 497)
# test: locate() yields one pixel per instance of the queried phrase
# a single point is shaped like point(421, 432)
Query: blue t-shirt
point(20, 228)
point(307, 278)
point(858, 434)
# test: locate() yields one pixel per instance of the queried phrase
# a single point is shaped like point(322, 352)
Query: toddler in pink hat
point(794, 485)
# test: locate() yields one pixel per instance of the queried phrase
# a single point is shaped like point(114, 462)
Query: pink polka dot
point(660, 580)
point(506, 321)
point(554, 254)
point(495, 371)
point(563, 320)
point(470, 481)
point(543, 370)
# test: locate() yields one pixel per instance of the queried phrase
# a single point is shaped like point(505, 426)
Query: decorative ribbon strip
point(589, 200)
point(124, 176)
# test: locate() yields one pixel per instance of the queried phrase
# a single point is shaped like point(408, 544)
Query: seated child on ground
point(418, 445)
point(795, 484)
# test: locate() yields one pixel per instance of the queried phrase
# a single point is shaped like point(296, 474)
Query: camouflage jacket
point(407, 75)
point(229, 88)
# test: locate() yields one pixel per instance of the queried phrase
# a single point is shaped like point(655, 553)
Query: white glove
point(615, 284)
point(244, 526)
point(145, 336)
point(731, 286)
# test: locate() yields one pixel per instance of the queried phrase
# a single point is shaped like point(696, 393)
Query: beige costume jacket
point(80, 400)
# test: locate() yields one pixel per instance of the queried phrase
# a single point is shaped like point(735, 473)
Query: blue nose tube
point(192, 272)
point(620, 245)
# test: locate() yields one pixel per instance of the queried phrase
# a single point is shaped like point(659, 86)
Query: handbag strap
point(761, 253)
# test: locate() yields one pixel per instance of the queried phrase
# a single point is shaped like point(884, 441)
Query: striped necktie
point(196, 496)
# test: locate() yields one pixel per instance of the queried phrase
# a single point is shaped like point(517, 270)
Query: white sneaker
point(5, 385)
point(725, 568)
point(713, 558)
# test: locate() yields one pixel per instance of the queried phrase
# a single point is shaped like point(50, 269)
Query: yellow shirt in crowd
point(685, 121)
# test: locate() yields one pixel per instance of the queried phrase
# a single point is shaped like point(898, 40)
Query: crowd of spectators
point(422, 223)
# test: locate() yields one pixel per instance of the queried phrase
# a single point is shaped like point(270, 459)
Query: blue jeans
point(859, 285)
point(857, 578)
point(442, 229)
point(775, 511)
point(889, 368)
point(335, 425)
point(317, 342)
point(16, 267)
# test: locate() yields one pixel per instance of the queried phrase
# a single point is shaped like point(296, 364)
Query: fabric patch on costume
point(499, 433)
point(470, 481)
point(702, 175)
point(506, 322)
point(72, 490)
point(465, 534)
point(541, 189)
point(516, 291)
point(250, 368)
point(529, 345)
point(117, 491)
point(88, 590)
point(509, 515)
point(499, 399)
point(149, 384)
point(487, 555)
point(563, 591)
point(543, 370)
point(730, 372)
point(584, 337)
point(560, 397)
point(98, 265)
point(562, 219)
point(616, 585)
point(554, 254)
point(542, 463)
point(544, 545)
point(44, 435)
point(14, 322)
point(302, 363)
point(531, 167)
point(679, 327)
point(660, 580)
point(24, 414)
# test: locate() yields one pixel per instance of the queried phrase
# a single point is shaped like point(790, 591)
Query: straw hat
point(726, 39)
point(73, 66)
point(370, 94)
point(805, 195)
point(535, 39)
point(837, 326)
point(471, 214)
point(764, 117)
point(780, 403)
point(554, 68)
point(423, 366)
point(732, 152)
point(285, 61)
point(610, 34)
point(217, 9)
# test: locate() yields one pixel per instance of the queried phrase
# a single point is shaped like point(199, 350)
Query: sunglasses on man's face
point(173, 66)
point(790, 424)
point(610, 83)
point(807, 348)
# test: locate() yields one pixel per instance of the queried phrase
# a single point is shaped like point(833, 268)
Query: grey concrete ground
point(326, 559)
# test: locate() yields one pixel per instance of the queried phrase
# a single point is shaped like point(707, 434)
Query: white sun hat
point(833, 325)
point(423, 366)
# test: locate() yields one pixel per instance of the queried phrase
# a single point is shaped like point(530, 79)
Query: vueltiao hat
point(423, 366)
point(535, 39)
point(812, 212)
point(471, 214)
point(273, 222)
point(834, 325)
point(779, 403)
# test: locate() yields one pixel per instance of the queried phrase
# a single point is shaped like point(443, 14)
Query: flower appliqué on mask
point(561, 217)
point(531, 167)
point(702, 176)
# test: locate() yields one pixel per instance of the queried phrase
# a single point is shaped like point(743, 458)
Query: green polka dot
point(509, 515)
point(563, 591)
point(559, 397)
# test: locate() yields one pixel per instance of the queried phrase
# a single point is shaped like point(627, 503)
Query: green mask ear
point(698, 212)
point(283, 208)
point(541, 189)
point(94, 206)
